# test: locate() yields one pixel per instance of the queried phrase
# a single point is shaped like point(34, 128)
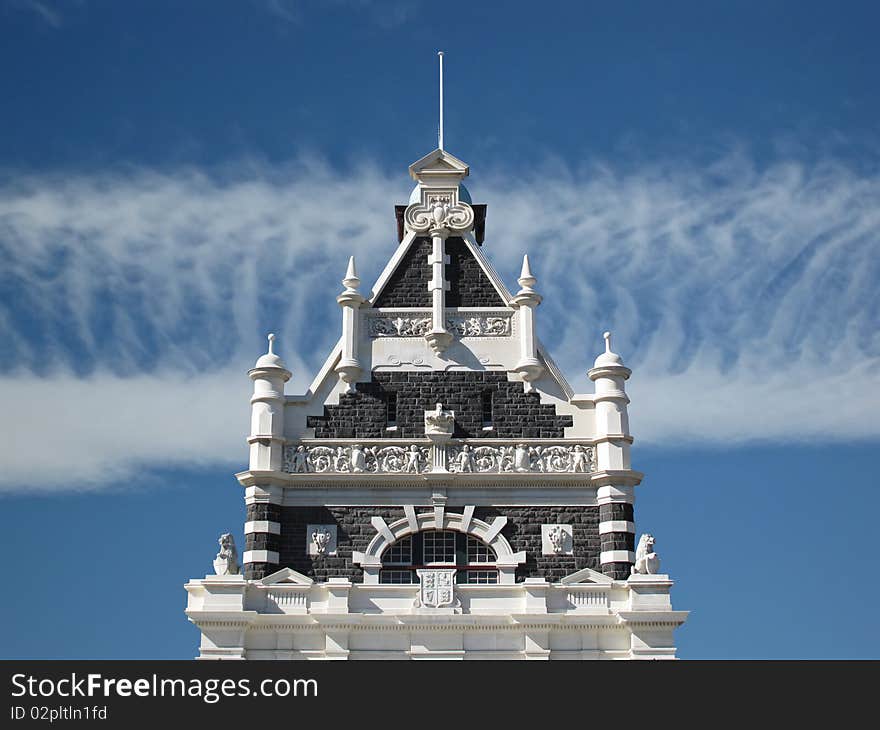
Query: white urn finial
point(607, 336)
point(271, 338)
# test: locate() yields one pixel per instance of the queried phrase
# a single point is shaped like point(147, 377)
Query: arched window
point(473, 559)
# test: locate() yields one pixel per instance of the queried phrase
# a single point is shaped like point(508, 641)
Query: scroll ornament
point(440, 212)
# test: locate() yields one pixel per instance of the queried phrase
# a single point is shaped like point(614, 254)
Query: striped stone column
point(262, 532)
point(616, 530)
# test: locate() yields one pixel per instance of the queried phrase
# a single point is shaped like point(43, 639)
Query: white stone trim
point(586, 575)
point(467, 514)
point(260, 556)
point(497, 525)
point(506, 559)
point(263, 494)
point(410, 511)
point(273, 528)
point(382, 528)
point(611, 494)
point(286, 574)
point(616, 526)
point(617, 556)
point(358, 494)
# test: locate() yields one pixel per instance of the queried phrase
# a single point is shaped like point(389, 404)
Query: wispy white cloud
point(387, 14)
point(43, 10)
point(131, 304)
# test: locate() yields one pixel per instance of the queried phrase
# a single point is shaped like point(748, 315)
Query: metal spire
point(440, 132)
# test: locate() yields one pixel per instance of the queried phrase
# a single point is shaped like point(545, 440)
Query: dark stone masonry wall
point(523, 532)
point(616, 511)
point(408, 285)
point(354, 532)
point(515, 413)
point(468, 284)
point(617, 571)
point(264, 512)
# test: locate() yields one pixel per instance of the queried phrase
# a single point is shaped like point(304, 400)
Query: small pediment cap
point(286, 575)
point(586, 575)
point(438, 162)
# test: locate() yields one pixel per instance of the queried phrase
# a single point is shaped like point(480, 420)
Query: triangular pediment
point(586, 575)
point(286, 575)
point(438, 162)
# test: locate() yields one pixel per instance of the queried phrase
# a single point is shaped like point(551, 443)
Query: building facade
point(439, 491)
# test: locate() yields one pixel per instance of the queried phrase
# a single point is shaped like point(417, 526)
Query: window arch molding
point(506, 560)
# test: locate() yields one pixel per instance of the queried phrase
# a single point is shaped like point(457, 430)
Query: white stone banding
point(264, 526)
point(261, 556)
point(616, 526)
point(617, 556)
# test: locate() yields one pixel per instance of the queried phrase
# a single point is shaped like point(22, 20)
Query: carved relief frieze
point(458, 457)
point(356, 459)
point(522, 457)
point(461, 325)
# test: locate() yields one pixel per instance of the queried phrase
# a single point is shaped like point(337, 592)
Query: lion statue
point(647, 561)
point(226, 562)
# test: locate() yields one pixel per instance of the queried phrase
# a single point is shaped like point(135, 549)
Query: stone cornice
point(503, 480)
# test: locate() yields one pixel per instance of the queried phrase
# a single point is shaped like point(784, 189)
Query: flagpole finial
point(440, 131)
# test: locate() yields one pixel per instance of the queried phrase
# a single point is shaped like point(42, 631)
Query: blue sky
point(177, 179)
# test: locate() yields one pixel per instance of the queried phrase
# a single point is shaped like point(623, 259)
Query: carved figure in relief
point(414, 460)
point(358, 459)
point(321, 539)
point(580, 459)
point(300, 460)
point(465, 459)
point(647, 561)
point(340, 461)
point(226, 562)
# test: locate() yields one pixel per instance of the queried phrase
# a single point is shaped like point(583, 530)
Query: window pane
point(479, 552)
point(399, 553)
point(398, 576)
point(391, 409)
point(478, 577)
point(486, 407)
point(439, 547)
